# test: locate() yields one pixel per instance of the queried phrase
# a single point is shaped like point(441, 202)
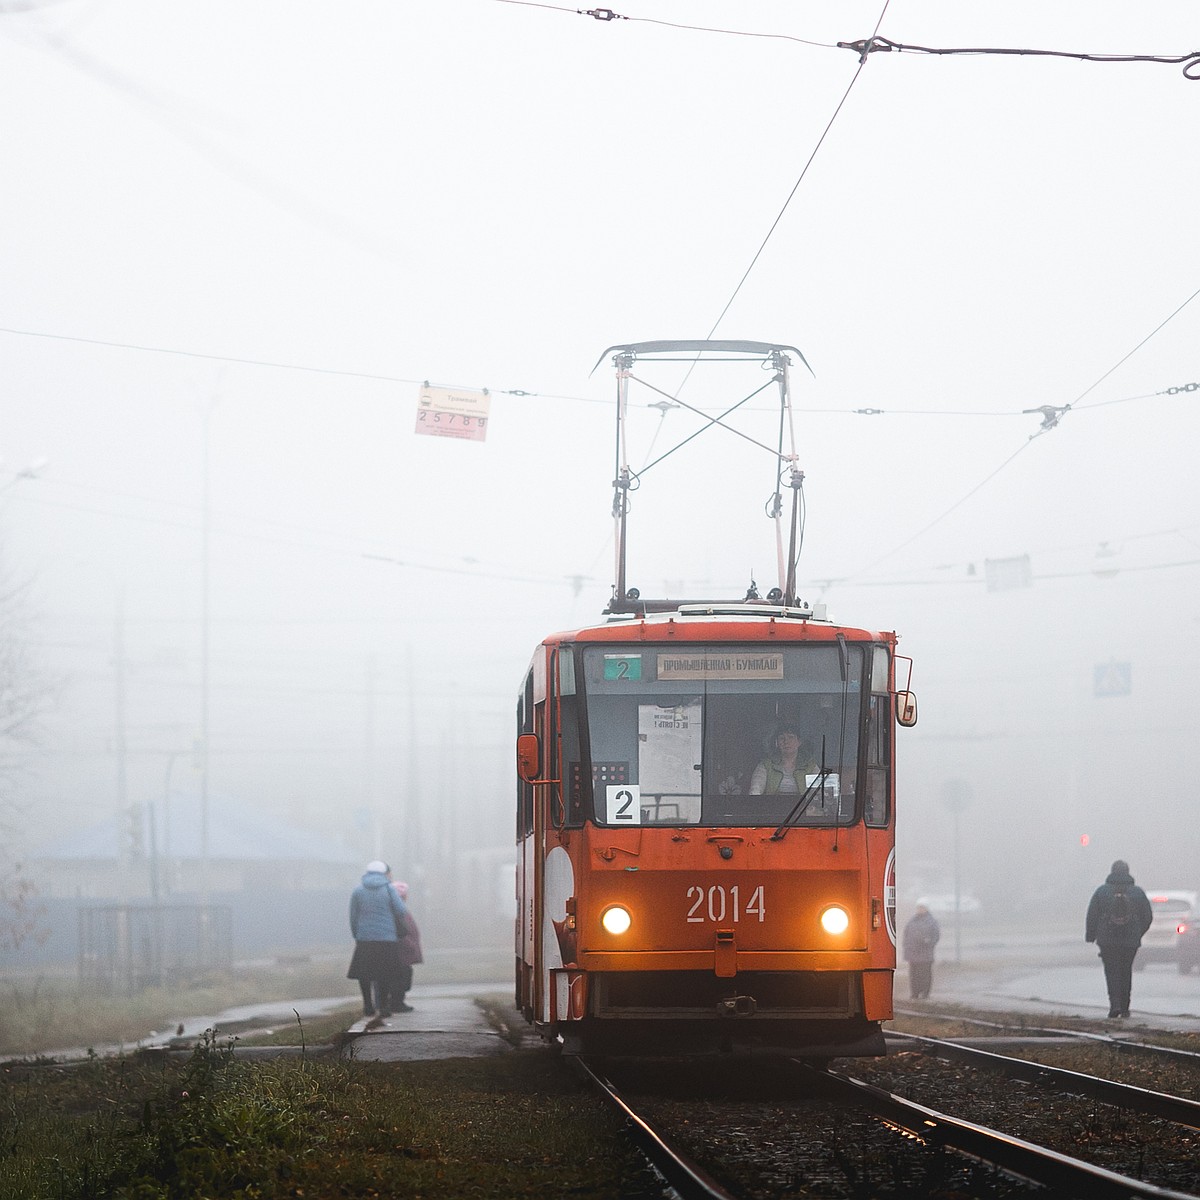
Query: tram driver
point(786, 770)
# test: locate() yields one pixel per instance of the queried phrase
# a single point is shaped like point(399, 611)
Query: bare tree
point(25, 695)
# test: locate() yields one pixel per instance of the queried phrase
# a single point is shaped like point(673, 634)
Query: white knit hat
point(375, 865)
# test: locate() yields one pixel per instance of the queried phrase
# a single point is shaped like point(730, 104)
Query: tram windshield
point(728, 735)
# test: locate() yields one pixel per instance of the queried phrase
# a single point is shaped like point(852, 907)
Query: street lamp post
point(205, 865)
point(956, 796)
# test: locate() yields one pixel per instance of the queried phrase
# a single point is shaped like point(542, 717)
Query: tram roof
point(721, 620)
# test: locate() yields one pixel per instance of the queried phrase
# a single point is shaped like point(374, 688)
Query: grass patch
point(312, 1031)
point(46, 1013)
point(213, 1125)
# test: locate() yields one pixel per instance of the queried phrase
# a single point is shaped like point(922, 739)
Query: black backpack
point(1120, 910)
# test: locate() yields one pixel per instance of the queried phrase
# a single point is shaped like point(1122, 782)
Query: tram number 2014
point(719, 903)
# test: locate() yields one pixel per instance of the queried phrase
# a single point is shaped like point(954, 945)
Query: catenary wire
point(799, 180)
point(274, 365)
point(607, 14)
point(155, 108)
point(779, 216)
point(522, 393)
point(875, 44)
point(1052, 418)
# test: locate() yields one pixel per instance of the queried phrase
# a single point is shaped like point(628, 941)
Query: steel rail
point(688, 1180)
point(1118, 1043)
point(1125, 1095)
point(1002, 1150)
point(1126, 1045)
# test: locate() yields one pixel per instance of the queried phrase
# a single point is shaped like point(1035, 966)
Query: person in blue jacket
point(377, 918)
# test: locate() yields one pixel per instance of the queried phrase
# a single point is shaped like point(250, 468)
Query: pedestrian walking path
point(1162, 998)
point(438, 1027)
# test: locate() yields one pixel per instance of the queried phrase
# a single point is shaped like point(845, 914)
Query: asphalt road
point(1048, 972)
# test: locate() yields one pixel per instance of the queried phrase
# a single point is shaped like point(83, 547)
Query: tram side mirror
point(906, 709)
point(529, 756)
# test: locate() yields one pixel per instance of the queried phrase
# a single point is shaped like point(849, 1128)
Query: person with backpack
point(1117, 917)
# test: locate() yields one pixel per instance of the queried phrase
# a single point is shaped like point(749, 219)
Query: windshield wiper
point(801, 805)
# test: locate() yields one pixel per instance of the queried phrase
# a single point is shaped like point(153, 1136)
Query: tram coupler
point(737, 1006)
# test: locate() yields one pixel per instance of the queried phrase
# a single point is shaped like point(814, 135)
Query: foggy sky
point(314, 210)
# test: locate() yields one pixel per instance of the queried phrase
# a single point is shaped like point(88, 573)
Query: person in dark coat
point(376, 915)
point(920, 937)
point(410, 952)
point(1117, 918)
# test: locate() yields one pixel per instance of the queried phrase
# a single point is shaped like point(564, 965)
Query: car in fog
point(1170, 908)
point(1187, 944)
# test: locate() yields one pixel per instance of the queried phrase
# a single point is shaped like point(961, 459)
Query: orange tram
point(706, 822)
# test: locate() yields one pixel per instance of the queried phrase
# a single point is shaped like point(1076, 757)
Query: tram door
point(546, 872)
point(529, 720)
point(540, 858)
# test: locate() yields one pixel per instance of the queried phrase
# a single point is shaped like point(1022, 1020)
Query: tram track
point(685, 1176)
point(1122, 1043)
point(1042, 1165)
point(772, 1130)
point(1133, 1099)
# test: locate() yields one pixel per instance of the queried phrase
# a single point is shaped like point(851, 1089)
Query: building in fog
point(159, 852)
point(286, 889)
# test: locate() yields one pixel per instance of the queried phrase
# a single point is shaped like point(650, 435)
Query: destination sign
point(748, 664)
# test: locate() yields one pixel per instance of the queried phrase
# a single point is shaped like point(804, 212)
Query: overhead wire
point(1051, 420)
point(154, 107)
point(608, 14)
point(762, 247)
point(279, 366)
point(967, 568)
point(972, 580)
point(341, 549)
point(521, 393)
point(865, 47)
point(799, 180)
point(875, 44)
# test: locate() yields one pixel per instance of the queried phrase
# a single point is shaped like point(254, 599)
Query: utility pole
point(411, 809)
point(369, 797)
point(205, 864)
point(125, 851)
point(956, 796)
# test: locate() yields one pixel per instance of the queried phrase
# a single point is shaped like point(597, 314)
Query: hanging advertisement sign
point(453, 413)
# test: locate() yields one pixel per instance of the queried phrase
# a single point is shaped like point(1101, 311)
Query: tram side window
point(875, 807)
point(525, 790)
point(572, 781)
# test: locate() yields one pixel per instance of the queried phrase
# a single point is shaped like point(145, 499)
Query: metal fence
point(125, 948)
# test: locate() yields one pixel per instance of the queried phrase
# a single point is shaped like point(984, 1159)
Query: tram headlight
point(615, 919)
point(835, 919)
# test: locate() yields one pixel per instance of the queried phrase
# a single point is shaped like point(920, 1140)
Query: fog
point(237, 241)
